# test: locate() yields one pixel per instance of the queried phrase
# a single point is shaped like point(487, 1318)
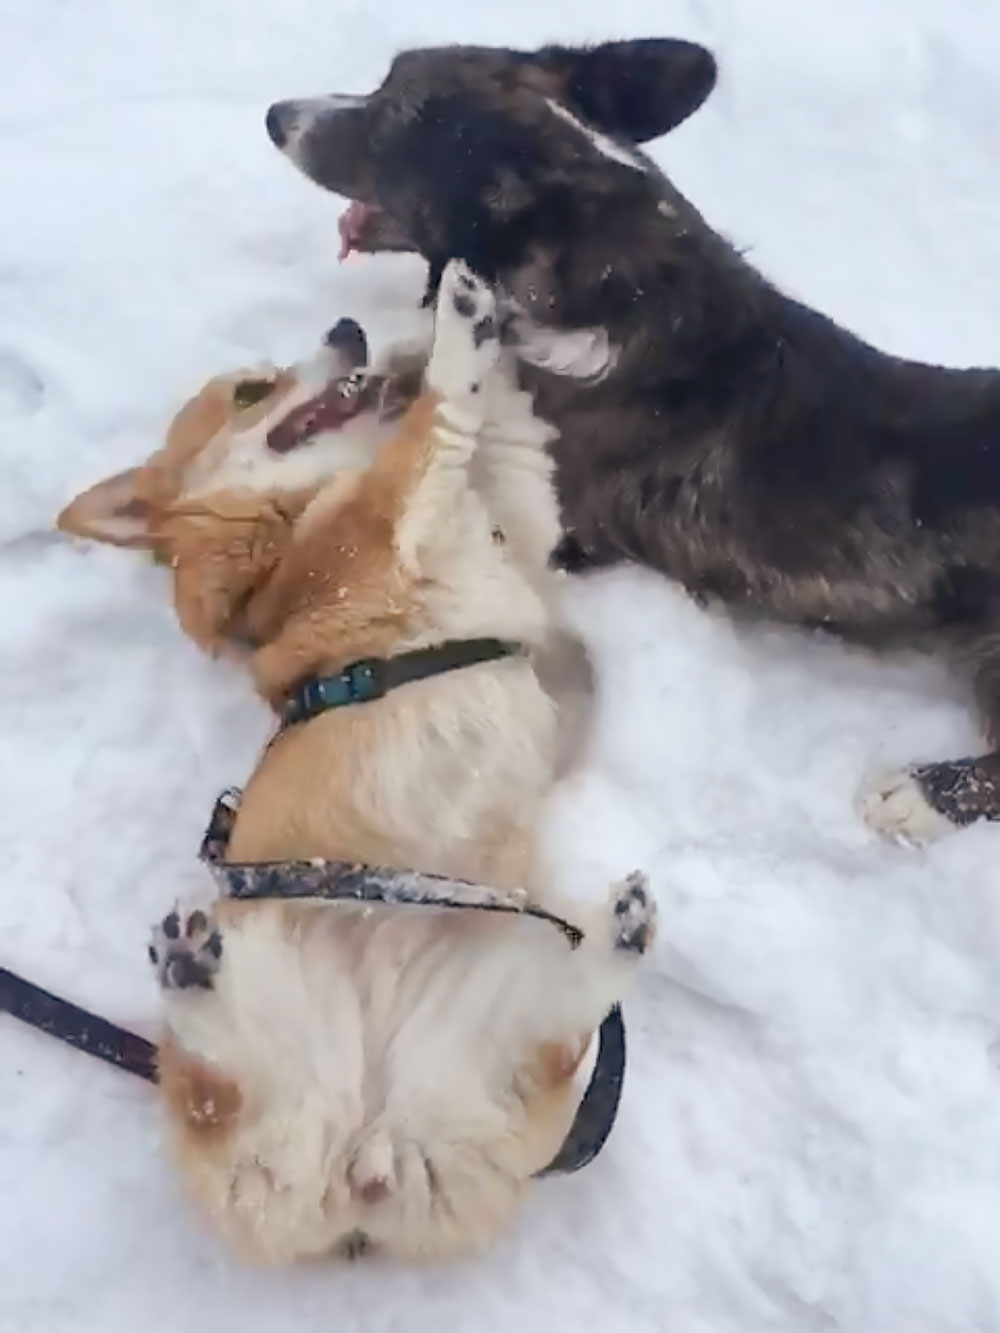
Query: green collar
point(371, 678)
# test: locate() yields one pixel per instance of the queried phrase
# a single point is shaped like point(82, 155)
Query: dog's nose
point(348, 338)
point(280, 121)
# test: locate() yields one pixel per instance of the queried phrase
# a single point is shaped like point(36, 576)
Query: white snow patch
point(809, 1136)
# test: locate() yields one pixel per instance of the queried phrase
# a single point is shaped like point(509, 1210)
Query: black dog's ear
point(634, 90)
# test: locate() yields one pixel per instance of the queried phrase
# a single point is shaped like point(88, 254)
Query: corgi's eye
point(249, 392)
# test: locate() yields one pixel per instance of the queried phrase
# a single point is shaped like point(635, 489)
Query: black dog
point(709, 426)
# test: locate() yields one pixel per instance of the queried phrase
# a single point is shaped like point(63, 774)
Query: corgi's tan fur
point(337, 1077)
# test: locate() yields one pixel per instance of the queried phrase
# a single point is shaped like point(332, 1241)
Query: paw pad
point(634, 913)
point(471, 298)
point(466, 335)
point(186, 952)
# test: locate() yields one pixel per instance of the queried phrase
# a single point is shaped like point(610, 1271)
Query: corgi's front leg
point(466, 345)
point(463, 361)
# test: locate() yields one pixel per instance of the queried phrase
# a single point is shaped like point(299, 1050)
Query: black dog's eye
point(249, 392)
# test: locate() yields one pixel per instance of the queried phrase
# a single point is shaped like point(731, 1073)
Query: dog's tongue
point(329, 410)
point(352, 226)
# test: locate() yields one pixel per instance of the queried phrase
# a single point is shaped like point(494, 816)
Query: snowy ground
point(811, 1133)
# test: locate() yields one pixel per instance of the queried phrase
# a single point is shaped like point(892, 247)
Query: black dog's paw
point(921, 803)
point(634, 914)
point(186, 950)
point(963, 790)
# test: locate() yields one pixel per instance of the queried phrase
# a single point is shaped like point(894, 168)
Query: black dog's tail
point(75, 1026)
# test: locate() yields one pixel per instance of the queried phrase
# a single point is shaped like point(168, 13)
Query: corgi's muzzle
point(350, 392)
point(347, 338)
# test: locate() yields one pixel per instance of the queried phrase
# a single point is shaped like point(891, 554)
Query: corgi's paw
point(466, 335)
point(633, 911)
point(186, 950)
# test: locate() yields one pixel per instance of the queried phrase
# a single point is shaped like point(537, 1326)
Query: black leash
point(77, 1027)
point(595, 1116)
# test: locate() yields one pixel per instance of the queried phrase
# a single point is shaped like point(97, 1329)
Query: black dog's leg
point(922, 802)
point(967, 790)
point(963, 790)
point(925, 800)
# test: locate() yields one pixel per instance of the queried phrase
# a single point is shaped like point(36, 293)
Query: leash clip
point(360, 683)
point(366, 680)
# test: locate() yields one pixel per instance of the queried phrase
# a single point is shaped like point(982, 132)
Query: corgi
point(338, 1078)
point(253, 445)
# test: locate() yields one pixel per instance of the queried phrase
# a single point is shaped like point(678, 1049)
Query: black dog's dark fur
point(741, 443)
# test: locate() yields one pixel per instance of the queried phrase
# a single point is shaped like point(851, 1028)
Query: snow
point(810, 1138)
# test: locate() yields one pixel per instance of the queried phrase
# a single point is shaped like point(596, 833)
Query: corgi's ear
point(222, 553)
point(116, 510)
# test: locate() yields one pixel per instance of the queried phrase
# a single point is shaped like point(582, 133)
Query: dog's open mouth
point(331, 409)
point(366, 229)
point(354, 223)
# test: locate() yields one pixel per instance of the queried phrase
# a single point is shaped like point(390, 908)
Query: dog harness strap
point(75, 1026)
point(347, 881)
point(87, 1032)
point(373, 677)
point(341, 881)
